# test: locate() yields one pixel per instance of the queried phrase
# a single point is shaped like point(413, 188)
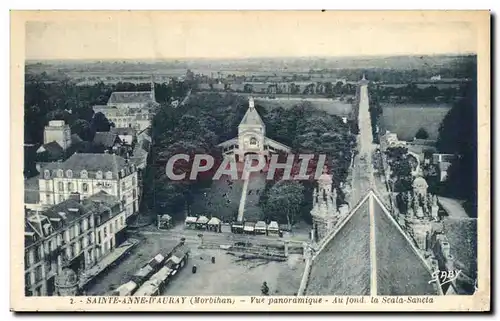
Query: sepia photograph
point(258, 160)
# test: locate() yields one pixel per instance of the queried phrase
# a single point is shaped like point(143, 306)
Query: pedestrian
point(264, 289)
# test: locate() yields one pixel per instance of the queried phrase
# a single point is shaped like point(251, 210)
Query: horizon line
point(456, 54)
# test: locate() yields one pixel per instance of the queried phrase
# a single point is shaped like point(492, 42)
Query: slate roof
point(252, 117)
point(106, 139)
point(123, 131)
point(52, 151)
point(343, 265)
point(92, 163)
point(130, 97)
point(31, 190)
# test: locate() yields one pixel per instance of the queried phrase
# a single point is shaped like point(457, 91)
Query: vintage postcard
point(250, 161)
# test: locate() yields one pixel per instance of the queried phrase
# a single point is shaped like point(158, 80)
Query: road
point(452, 207)
point(362, 178)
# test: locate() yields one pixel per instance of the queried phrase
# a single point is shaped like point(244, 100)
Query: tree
point(422, 134)
point(100, 123)
point(284, 200)
point(458, 135)
point(82, 128)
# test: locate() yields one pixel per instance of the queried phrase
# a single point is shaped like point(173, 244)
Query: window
point(122, 221)
point(47, 197)
point(38, 273)
point(84, 174)
point(77, 230)
point(61, 198)
point(124, 199)
point(99, 238)
point(105, 232)
point(253, 141)
point(85, 187)
point(109, 175)
point(47, 185)
point(123, 185)
point(69, 173)
point(116, 225)
point(133, 181)
point(36, 254)
point(98, 175)
point(26, 260)
point(60, 186)
point(60, 173)
point(27, 279)
point(111, 228)
point(70, 187)
point(46, 174)
point(134, 193)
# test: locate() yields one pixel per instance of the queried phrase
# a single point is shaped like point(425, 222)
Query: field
point(405, 120)
point(334, 107)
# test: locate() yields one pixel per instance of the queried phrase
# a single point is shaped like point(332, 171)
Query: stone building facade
point(89, 174)
point(68, 236)
point(251, 137)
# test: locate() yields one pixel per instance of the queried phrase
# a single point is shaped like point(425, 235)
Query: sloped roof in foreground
point(369, 254)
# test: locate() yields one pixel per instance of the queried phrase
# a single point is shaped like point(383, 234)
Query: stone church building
point(251, 137)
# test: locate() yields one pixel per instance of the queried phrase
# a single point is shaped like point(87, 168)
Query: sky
point(237, 34)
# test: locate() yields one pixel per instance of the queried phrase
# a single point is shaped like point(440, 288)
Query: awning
point(126, 288)
point(238, 224)
point(166, 217)
point(214, 221)
point(249, 226)
point(147, 288)
point(144, 271)
point(175, 259)
point(158, 259)
point(273, 226)
point(260, 225)
point(191, 219)
point(161, 275)
point(202, 220)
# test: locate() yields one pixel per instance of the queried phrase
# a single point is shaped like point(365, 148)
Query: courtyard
point(222, 198)
point(229, 275)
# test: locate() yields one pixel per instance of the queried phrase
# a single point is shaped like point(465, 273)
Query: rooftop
point(106, 139)
point(252, 117)
point(123, 131)
point(136, 97)
point(92, 163)
point(343, 265)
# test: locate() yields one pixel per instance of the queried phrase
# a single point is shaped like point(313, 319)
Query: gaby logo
point(443, 277)
point(296, 167)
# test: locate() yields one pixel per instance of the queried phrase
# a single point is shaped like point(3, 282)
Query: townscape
point(398, 185)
